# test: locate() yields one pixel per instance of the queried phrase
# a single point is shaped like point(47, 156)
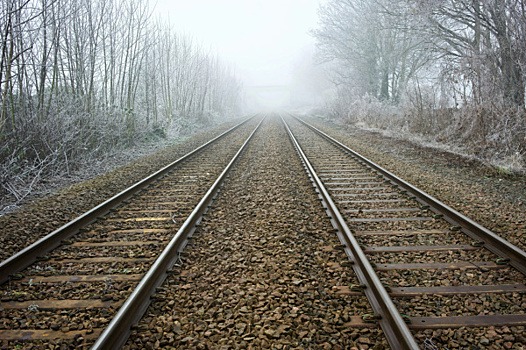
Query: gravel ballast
point(263, 270)
point(41, 216)
point(490, 196)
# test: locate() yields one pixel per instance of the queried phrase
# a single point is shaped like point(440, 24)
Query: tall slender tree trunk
point(512, 75)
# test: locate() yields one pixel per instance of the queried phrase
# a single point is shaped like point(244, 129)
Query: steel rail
point(493, 242)
point(393, 325)
point(31, 253)
point(118, 331)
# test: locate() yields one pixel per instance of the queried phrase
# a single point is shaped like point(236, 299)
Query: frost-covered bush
point(493, 133)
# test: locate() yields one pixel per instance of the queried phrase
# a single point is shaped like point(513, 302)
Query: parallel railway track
point(418, 262)
point(66, 287)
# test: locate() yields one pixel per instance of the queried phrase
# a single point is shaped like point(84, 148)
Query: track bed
point(265, 269)
point(454, 285)
point(360, 260)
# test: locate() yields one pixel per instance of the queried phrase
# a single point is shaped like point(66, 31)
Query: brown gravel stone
point(39, 216)
point(491, 197)
point(265, 269)
point(258, 273)
point(426, 172)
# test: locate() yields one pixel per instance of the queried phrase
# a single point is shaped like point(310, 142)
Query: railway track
point(264, 269)
point(64, 289)
point(420, 262)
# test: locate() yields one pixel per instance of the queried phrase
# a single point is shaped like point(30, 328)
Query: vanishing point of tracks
point(427, 276)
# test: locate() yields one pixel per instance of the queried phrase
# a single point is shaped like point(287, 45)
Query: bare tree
point(81, 78)
point(452, 69)
point(486, 38)
point(375, 45)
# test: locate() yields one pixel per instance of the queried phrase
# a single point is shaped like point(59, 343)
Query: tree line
point(454, 69)
point(79, 78)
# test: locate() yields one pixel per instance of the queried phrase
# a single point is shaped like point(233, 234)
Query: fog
point(268, 42)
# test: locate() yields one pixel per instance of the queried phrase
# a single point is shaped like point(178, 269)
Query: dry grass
point(491, 133)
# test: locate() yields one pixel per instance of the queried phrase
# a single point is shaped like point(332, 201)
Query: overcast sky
point(262, 38)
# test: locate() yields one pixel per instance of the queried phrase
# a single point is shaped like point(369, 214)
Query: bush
point(492, 133)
